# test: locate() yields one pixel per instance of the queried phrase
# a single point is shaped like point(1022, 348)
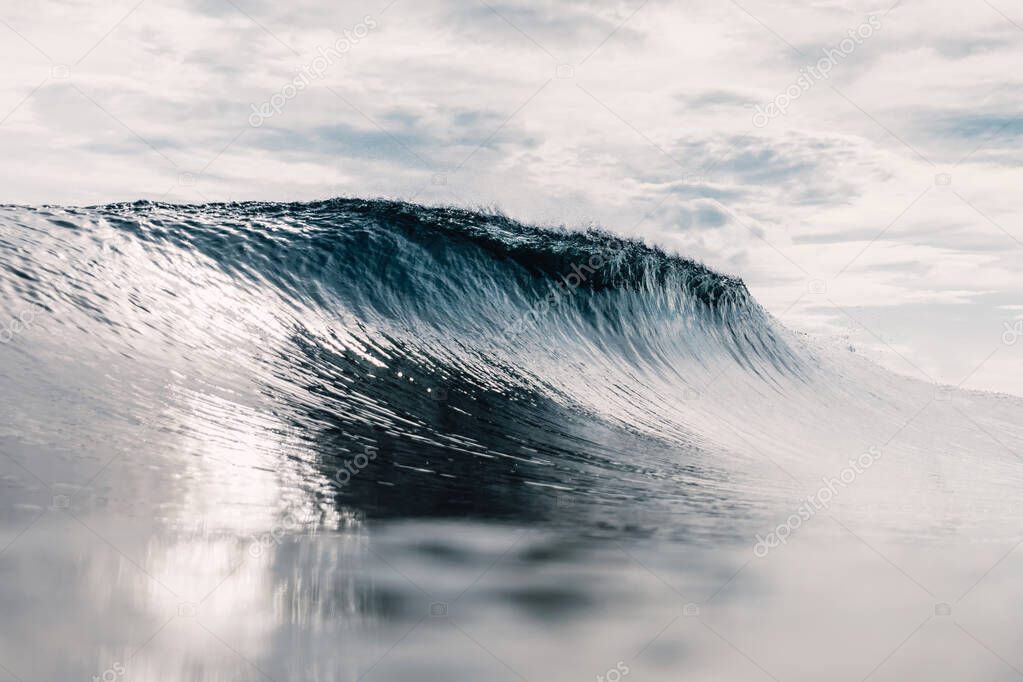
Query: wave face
point(229, 401)
point(456, 344)
point(479, 360)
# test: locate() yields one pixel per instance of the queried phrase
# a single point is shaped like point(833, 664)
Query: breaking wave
point(411, 361)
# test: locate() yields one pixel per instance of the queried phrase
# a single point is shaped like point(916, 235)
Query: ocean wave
point(493, 367)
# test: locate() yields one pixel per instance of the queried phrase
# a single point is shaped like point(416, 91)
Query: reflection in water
point(451, 600)
point(299, 442)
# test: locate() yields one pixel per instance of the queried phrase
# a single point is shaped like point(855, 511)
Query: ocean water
point(367, 440)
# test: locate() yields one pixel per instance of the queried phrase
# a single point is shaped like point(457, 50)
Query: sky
point(856, 163)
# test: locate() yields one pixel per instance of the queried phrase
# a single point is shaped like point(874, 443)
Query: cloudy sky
point(881, 205)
